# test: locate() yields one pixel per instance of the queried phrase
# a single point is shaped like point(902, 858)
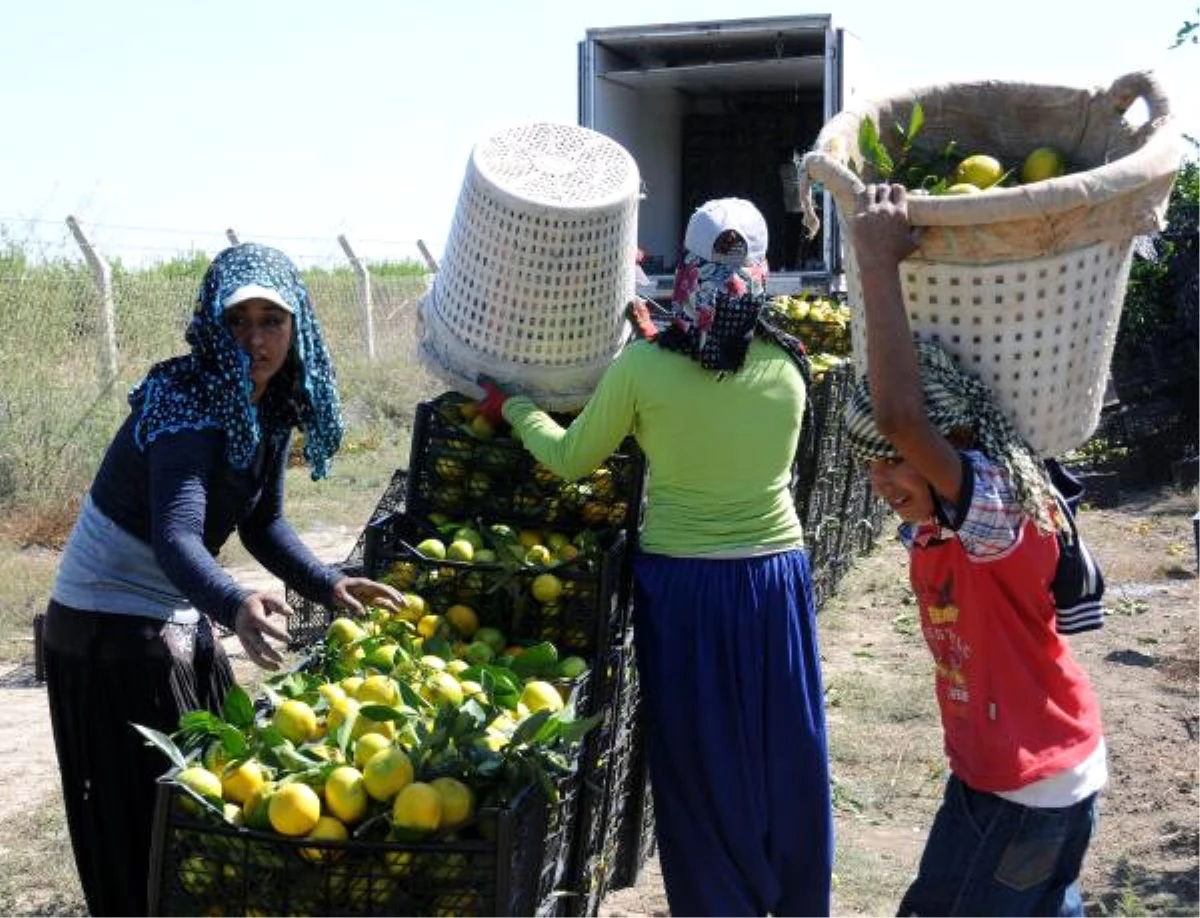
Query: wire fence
point(75, 336)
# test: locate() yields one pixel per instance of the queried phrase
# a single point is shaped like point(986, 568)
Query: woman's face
point(264, 331)
point(902, 487)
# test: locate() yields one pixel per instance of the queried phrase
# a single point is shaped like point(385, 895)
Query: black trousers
point(105, 672)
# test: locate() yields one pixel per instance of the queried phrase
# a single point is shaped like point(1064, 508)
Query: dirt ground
point(1145, 857)
point(1143, 664)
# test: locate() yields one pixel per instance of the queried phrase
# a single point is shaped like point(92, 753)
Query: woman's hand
point(492, 405)
point(355, 593)
point(879, 228)
point(253, 626)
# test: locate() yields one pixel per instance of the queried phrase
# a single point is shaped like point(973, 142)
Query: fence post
point(430, 261)
point(364, 295)
point(102, 277)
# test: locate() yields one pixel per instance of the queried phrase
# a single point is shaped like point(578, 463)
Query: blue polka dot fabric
point(211, 386)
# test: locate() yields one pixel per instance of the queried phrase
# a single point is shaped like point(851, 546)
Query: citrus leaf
point(238, 708)
point(872, 149)
point(163, 743)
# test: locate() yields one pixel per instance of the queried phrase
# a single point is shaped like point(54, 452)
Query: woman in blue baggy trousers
point(725, 627)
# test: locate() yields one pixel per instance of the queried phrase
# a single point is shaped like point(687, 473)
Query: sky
point(161, 123)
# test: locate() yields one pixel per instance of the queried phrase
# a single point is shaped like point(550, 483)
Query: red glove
point(637, 313)
point(492, 405)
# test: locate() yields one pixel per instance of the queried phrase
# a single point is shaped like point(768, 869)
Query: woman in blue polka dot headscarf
point(127, 635)
point(210, 387)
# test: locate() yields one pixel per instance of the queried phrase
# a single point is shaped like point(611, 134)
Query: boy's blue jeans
point(988, 856)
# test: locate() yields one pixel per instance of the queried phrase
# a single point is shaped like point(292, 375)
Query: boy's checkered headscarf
point(958, 401)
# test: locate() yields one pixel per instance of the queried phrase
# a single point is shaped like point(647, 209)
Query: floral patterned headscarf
point(715, 308)
point(211, 386)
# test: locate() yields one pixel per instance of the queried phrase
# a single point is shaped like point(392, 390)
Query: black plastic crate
point(590, 614)
point(201, 865)
point(452, 470)
point(310, 619)
point(607, 771)
point(634, 819)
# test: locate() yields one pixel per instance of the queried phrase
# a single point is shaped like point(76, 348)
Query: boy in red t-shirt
point(1020, 721)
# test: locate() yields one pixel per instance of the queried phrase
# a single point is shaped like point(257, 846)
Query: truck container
point(722, 109)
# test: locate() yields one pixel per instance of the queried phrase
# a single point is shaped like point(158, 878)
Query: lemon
point(296, 720)
point(350, 684)
point(1043, 163)
point(481, 427)
point(572, 667)
point(433, 661)
point(962, 188)
point(456, 667)
point(364, 726)
point(345, 794)
point(467, 534)
point(546, 588)
point(493, 637)
point(432, 548)
point(529, 538)
point(539, 556)
point(478, 653)
point(538, 695)
point(382, 657)
point(979, 170)
point(458, 801)
point(460, 550)
point(255, 809)
point(461, 902)
point(237, 784)
point(399, 863)
point(344, 630)
point(201, 781)
point(197, 874)
point(414, 607)
point(341, 710)
point(463, 619)
point(367, 745)
point(447, 866)
point(294, 809)
point(418, 808)
point(472, 689)
point(443, 690)
point(387, 772)
point(327, 829)
point(431, 625)
point(331, 691)
point(378, 689)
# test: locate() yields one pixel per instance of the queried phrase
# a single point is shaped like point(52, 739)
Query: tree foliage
point(1162, 293)
point(1189, 32)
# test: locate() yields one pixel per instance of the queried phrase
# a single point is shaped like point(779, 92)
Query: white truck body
point(720, 109)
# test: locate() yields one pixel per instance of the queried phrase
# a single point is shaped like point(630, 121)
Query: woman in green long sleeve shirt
point(724, 617)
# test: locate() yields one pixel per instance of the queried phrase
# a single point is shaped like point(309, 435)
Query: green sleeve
point(594, 435)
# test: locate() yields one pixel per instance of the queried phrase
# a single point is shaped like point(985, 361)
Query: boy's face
point(905, 491)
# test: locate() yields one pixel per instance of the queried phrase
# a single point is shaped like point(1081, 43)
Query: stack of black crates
point(599, 836)
point(594, 840)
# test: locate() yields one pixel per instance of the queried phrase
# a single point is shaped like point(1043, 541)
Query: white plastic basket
point(1023, 286)
point(538, 267)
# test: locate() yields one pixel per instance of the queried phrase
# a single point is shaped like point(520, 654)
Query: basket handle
point(1141, 84)
point(831, 171)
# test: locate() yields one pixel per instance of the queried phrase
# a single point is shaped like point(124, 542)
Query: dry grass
point(37, 870)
